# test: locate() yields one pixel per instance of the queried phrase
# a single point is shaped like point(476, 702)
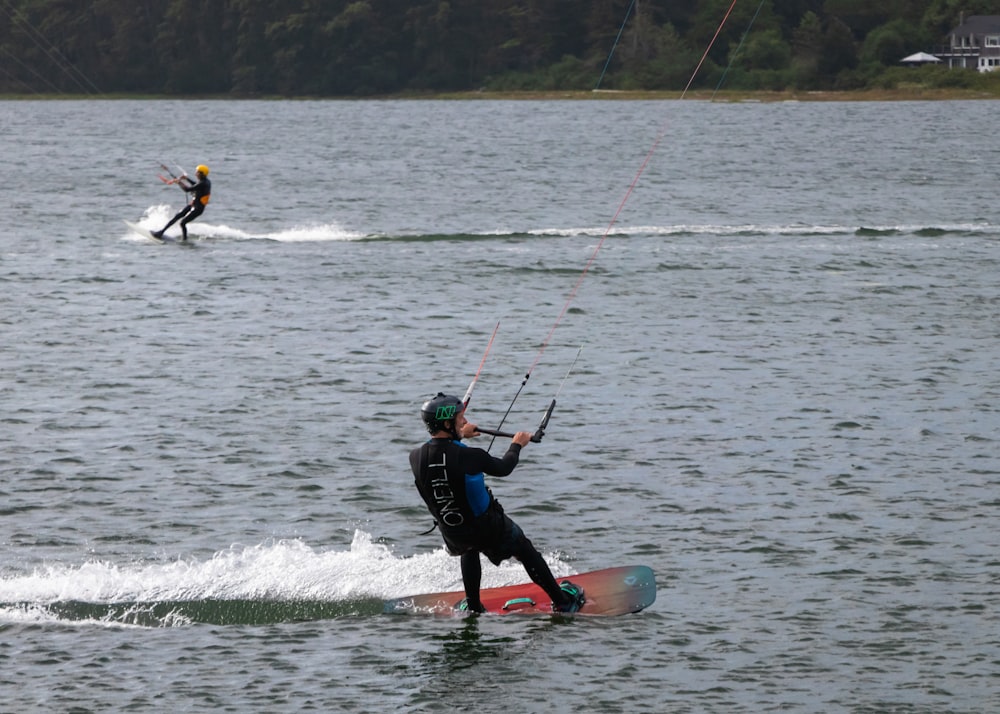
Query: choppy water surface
point(785, 402)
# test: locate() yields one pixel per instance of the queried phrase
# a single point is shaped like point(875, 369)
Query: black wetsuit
point(202, 192)
point(450, 478)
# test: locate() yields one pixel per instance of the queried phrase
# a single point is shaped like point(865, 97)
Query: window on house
point(992, 40)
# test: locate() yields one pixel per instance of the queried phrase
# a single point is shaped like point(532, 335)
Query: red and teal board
point(614, 591)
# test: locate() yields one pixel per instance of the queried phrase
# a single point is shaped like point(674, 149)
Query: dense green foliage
point(366, 47)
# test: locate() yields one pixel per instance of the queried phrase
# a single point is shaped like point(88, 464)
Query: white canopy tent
point(920, 58)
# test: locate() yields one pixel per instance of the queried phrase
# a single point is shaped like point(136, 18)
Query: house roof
point(978, 25)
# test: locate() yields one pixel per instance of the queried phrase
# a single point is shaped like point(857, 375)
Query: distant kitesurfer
point(202, 190)
point(450, 478)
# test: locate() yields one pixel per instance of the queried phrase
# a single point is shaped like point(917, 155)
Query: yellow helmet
point(202, 169)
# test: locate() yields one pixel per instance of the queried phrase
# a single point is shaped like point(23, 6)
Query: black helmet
point(442, 408)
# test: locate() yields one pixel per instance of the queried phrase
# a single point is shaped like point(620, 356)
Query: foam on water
point(762, 229)
point(280, 571)
point(156, 216)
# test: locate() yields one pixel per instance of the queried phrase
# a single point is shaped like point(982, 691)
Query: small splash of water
point(155, 217)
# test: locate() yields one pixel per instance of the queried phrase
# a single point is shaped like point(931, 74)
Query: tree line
point(377, 47)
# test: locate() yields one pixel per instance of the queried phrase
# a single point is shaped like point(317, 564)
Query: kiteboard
point(613, 591)
point(144, 232)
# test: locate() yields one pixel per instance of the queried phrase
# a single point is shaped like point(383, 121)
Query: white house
point(974, 44)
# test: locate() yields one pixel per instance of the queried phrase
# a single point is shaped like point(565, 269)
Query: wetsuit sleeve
point(478, 460)
point(416, 464)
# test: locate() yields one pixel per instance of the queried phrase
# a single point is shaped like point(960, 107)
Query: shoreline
point(915, 93)
point(865, 95)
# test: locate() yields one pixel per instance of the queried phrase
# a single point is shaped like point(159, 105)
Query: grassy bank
point(866, 95)
point(914, 93)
